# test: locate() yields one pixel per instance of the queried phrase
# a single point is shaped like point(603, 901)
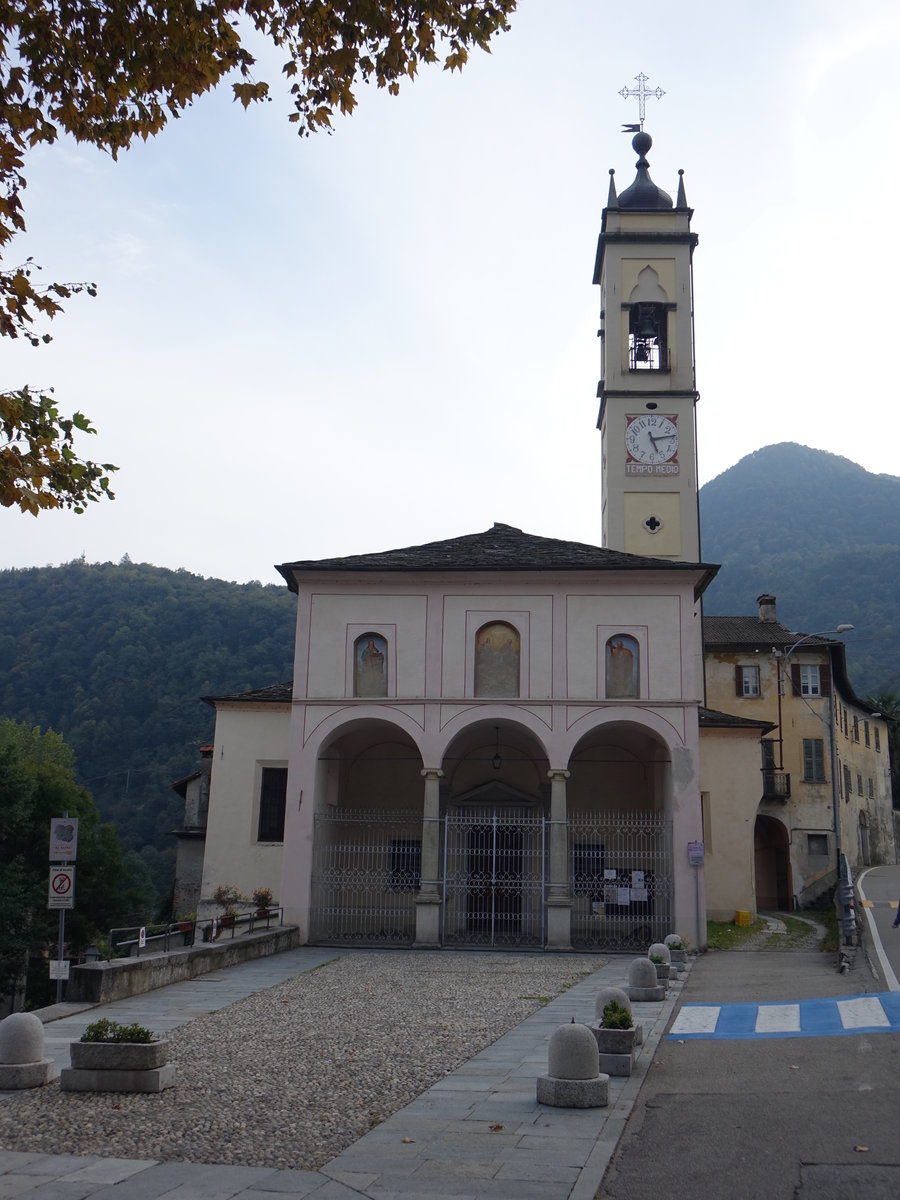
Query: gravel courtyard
point(291, 1076)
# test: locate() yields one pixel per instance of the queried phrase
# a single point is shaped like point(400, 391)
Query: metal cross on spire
point(642, 92)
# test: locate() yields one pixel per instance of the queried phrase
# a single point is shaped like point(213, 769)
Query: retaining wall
point(100, 982)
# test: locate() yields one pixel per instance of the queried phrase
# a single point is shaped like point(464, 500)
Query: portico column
point(559, 897)
point(428, 901)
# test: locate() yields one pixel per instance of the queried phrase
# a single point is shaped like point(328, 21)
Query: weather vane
point(642, 92)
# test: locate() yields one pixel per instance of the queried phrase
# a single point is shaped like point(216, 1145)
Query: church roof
point(275, 693)
point(500, 548)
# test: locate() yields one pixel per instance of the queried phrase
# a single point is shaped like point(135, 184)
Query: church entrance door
point(493, 878)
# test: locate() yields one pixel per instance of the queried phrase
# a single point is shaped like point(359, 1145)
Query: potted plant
point(662, 968)
point(615, 1034)
point(185, 922)
point(262, 898)
point(228, 897)
point(108, 1046)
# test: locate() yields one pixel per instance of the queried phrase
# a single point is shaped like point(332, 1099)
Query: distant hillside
point(821, 534)
point(115, 658)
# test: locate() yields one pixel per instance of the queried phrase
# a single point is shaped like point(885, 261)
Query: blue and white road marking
point(805, 1018)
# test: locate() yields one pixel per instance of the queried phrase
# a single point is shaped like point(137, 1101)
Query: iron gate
point(621, 874)
point(494, 870)
point(365, 878)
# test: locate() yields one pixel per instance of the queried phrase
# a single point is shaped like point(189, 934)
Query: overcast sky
point(317, 347)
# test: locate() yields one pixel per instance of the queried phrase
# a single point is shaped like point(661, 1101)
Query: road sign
point(59, 970)
point(61, 893)
point(142, 937)
point(63, 839)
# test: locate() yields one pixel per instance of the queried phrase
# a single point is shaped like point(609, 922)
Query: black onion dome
point(644, 193)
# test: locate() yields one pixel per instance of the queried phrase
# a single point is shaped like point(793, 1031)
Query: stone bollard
point(621, 998)
point(642, 981)
point(22, 1062)
point(573, 1078)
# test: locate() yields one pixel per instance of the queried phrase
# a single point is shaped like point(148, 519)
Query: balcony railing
point(776, 785)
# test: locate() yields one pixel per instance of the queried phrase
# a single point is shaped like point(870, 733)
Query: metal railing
point(776, 785)
point(161, 938)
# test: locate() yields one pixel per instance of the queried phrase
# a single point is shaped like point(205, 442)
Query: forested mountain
point(821, 534)
point(116, 657)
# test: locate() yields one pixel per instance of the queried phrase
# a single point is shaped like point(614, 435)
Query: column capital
point(558, 773)
point(432, 773)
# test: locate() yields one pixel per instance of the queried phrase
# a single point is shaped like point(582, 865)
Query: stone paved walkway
point(478, 1134)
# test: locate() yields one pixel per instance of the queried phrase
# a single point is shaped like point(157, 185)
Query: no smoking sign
point(62, 888)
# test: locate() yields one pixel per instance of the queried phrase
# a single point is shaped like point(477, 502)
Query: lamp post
point(832, 746)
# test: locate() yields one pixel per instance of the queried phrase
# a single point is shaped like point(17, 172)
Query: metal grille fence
point(494, 870)
point(366, 874)
point(621, 871)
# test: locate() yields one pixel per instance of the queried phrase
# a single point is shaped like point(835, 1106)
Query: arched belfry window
point(622, 663)
point(648, 335)
point(370, 654)
point(647, 338)
point(497, 652)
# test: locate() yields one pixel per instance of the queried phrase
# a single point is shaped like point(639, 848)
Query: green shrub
point(111, 1031)
point(616, 1017)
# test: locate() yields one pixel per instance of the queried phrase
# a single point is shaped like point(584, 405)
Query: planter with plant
point(615, 1033)
point(262, 898)
point(228, 897)
point(108, 1046)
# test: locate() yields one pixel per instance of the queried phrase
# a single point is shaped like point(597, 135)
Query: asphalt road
point(785, 1118)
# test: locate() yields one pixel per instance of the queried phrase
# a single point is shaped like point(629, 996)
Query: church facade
point(491, 740)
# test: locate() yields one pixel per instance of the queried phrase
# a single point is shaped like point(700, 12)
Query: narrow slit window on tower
point(647, 341)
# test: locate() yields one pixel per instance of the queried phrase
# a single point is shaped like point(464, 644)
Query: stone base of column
point(559, 923)
point(428, 922)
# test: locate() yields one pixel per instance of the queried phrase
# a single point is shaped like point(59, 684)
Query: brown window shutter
point(795, 678)
point(825, 679)
point(739, 681)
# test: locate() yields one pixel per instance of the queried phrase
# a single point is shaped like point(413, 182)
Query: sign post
point(61, 894)
point(696, 857)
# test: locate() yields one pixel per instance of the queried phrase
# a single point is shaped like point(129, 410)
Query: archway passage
point(773, 865)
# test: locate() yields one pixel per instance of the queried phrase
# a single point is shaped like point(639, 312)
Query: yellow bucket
point(742, 917)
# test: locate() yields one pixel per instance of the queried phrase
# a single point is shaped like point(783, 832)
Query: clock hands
point(662, 438)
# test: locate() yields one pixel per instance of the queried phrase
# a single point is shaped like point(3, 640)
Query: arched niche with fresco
point(497, 660)
point(622, 668)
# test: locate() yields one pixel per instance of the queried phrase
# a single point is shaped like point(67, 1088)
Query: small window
point(848, 785)
point(877, 739)
point(370, 666)
point(622, 668)
point(859, 790)
point(856, 729)
point(406, 865)
point(587, 868)
point(746, 681)
point(846, 723)
point(817, 845)
point(870, 788)
point(813, 760)
point(866, 735)
point(272, 797)
point(497, 660)
point(809, 680)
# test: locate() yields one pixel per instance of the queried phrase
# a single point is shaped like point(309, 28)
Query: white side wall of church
point(247, 739)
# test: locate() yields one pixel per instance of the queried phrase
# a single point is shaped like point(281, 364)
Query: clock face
point(651, 438)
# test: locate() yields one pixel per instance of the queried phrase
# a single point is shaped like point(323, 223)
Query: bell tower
point(647, 389)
